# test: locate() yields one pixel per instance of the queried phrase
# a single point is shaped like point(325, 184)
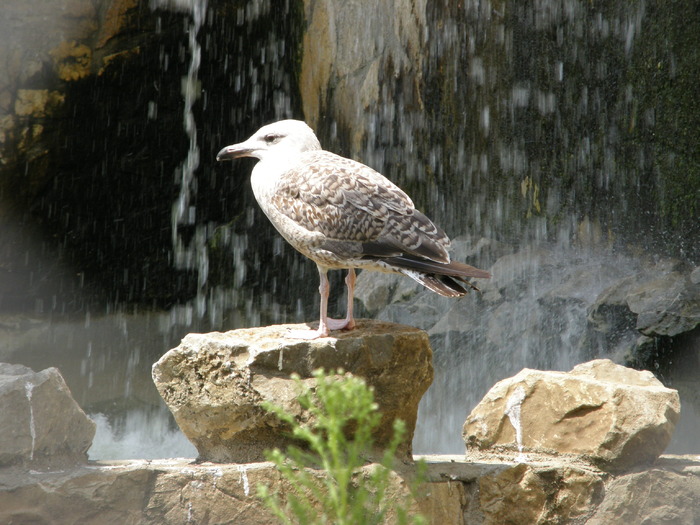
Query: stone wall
point(459, 492)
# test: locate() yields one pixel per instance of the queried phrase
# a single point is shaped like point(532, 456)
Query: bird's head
point(283, 138)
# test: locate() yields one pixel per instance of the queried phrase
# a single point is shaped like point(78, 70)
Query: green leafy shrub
point(328, 483)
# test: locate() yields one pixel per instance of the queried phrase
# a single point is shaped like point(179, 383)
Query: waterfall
point(555, 142)
point(190, 254)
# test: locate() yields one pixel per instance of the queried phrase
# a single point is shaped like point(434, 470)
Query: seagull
point(342, 214)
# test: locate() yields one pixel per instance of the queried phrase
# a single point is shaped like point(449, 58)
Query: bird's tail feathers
point(447, 279)
point(452, 269)
point(444, 285)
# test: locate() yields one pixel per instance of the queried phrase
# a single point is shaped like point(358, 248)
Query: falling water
point(280, 360)
point(148, 431)
point(145, 434)
point(525, 130)
point(192, 254)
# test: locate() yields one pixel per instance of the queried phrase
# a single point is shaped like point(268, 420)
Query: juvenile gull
point(342, 214)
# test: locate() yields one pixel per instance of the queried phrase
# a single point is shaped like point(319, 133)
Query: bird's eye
point(271, 138)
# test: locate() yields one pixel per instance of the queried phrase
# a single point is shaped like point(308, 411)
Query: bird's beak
point(234, 151)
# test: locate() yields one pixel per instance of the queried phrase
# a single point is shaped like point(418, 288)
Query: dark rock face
point(81, 127)
point(92, 135)
point(93, 141)
point(658, 303)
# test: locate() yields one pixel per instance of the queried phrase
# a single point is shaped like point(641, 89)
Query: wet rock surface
point(613, 416)
point(215, 384)
point(659, 302)
point(40, 422)
point(620, 302)
point(340, 74)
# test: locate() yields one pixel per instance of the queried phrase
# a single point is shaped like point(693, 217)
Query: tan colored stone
point(37, 102)
point(31, 102)
point(72, 60)
point(340, 69)
point(156, 492)
point(319, 55)
point(444, 502)
point(165, 492)
point(541, 494)
point(114, 21)
point(614, 416)
point(215, 384)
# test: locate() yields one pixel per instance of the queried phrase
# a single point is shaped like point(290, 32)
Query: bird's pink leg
point(325, 325)
point(323, 329)
point(349, 322)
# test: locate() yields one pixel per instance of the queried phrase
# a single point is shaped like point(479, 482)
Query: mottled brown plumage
point(343, 214)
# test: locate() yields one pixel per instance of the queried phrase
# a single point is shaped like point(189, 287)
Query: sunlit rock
point(40, 422)
point(215, 384)
point(161, 491)
point(614, 416)
point(115, 20)
point(37, 102)
point(540, 493)
point(340, 73)
point(177, 491)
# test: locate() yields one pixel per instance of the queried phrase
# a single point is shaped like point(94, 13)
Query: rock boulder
point(215, 384)
point(614, 416)
point(40, 422)
point(661, 301)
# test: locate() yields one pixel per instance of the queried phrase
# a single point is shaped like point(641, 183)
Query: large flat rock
point(215, 384)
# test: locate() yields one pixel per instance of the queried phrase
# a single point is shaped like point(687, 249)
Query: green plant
point(328, 483)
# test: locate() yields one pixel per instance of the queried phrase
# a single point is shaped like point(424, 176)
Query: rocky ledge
point(459, 491)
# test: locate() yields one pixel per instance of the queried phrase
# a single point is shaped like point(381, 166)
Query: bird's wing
point(358, 211)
